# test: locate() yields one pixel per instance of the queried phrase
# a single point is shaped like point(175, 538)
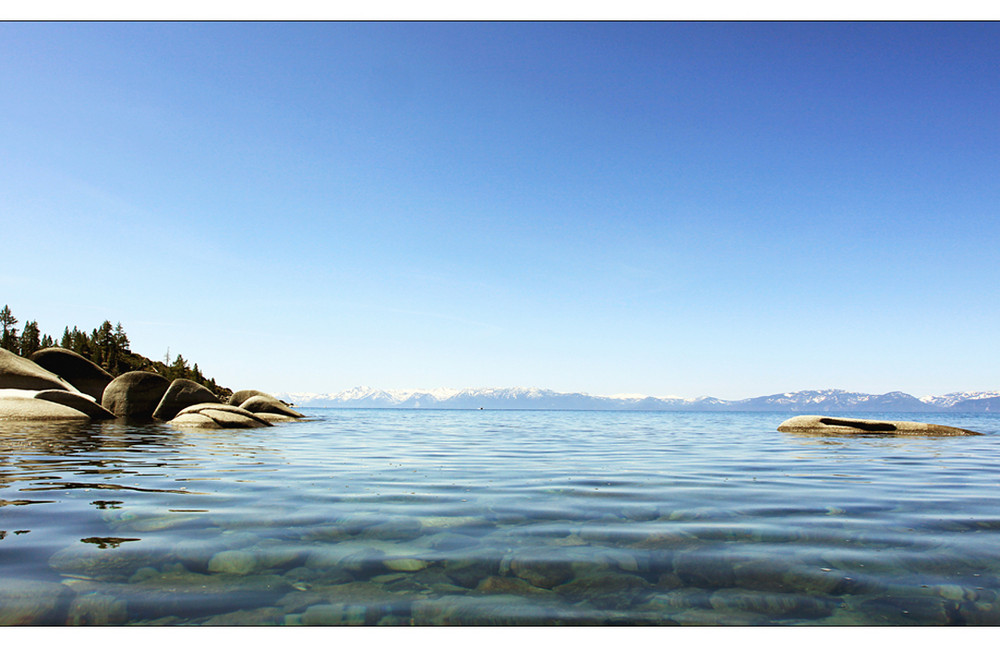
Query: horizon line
point(626, 396)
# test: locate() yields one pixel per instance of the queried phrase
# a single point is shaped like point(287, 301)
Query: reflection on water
point(476, 517)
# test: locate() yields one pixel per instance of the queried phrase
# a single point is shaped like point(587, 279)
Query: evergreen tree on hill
point(107, 346)
point(30, 339)
point(9, 340)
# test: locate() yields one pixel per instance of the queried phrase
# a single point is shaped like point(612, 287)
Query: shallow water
point(499, 517)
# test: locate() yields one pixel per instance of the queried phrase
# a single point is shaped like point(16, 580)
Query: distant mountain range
point(826, 400)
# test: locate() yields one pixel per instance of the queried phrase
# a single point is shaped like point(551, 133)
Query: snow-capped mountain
point(949, 400)
point(827, 400)
point(834, 400)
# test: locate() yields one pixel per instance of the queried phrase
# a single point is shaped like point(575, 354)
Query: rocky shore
point(56, 384)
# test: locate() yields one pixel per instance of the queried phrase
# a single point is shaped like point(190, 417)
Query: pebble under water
point(410, 517)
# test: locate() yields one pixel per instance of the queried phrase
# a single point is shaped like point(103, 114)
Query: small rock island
point(840, 426)
point(56, 384)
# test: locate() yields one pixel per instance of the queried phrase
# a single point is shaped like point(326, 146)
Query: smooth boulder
point(213, 415)
point(180, 394)
point(80, 402)
point(72, 367)
point(28, 408)
point(834, 425)
point(266, 404)
point(238, 397)
point(135, 394)
point(21, 373)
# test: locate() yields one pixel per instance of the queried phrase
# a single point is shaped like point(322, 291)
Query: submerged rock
point(233, 561)
point(405, 564)
point(773, 605)
point(469, 572)
point(831, 425)
point(31, 602)
point(397, 528)
point(544, 572)
point(334, 614)
point(507, 585)
point(980, 613)
point(187, 595)
point(72, 367)
point(704, 568)
point(606, 588)
point(255, 617)
point(135, 394)
point(890, 610)
point(106, 558)
point(493, 609)
point(96, 609)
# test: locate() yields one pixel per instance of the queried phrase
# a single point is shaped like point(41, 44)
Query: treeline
point(106, 346)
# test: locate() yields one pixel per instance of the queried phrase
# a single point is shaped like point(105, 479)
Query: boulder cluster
point(56, 384)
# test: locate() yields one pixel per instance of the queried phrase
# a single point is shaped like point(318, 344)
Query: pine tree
point(121, 340)
point(179, 368)
point(118, 361)
point(30, 341)
point(9, 340)
point(47, 341)
point(67, 341)
point(79, 343)
point(103, 340)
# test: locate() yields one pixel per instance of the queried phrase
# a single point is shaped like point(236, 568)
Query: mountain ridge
point(823, 400)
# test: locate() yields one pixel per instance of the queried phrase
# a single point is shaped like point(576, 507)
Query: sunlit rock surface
point(28, 408)
point(215, 415)
point(832, 425)
point(135, 394)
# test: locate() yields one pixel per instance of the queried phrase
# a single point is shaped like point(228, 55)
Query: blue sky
point(659, 208)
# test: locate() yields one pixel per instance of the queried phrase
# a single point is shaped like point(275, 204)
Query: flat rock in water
point(20, 373)
point(74, 369)
point(26, 408)
point(77, 401)
point(135, 394)
point(180, 394)
point(833, 425)
point(216, 415)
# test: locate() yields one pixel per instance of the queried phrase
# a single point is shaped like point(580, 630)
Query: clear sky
point(659, 208)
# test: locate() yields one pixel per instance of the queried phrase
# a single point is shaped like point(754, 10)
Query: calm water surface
point(499, 517)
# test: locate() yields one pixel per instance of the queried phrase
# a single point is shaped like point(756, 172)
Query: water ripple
point(437, 517)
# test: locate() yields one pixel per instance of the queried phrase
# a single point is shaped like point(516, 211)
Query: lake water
point(388, 517)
